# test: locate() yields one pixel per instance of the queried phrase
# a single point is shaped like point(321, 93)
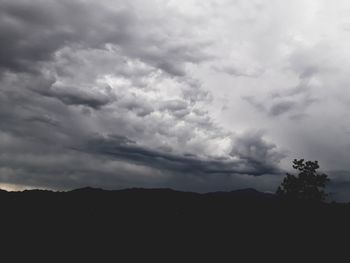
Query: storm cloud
point(199, 96)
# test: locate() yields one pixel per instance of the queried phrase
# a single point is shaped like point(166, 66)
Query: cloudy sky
point(188, 94)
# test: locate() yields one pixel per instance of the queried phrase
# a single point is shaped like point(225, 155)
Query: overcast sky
point(188, 94)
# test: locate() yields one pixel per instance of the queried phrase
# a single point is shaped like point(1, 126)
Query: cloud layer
point(190, 95)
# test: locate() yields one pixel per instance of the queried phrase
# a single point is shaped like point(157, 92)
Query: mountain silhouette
point(167, 222)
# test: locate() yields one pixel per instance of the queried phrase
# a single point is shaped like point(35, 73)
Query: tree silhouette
point(307, 185)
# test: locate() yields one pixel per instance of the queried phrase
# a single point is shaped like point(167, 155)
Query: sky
point(191, 95)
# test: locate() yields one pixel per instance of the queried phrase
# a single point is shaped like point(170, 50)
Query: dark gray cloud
point(257, 152)
point(282, 107)
point(240, 71)
point(47, 143)
point(74, 96)
point(255, 157)
point(44, 119)
point(291, 102)
point(115, 161)
point(32, 32)
point(72, 73)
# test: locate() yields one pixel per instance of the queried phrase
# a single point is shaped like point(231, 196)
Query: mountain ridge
point(86, 189)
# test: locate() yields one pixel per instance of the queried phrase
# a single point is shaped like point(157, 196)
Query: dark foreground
point(154, 224)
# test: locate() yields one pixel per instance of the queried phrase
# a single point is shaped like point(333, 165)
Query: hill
point(164, 219)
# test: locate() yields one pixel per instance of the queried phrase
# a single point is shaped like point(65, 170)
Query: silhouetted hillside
point(164, 219)
point(155, 203)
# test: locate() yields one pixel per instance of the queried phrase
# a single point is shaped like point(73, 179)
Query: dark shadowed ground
point(166, 224)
